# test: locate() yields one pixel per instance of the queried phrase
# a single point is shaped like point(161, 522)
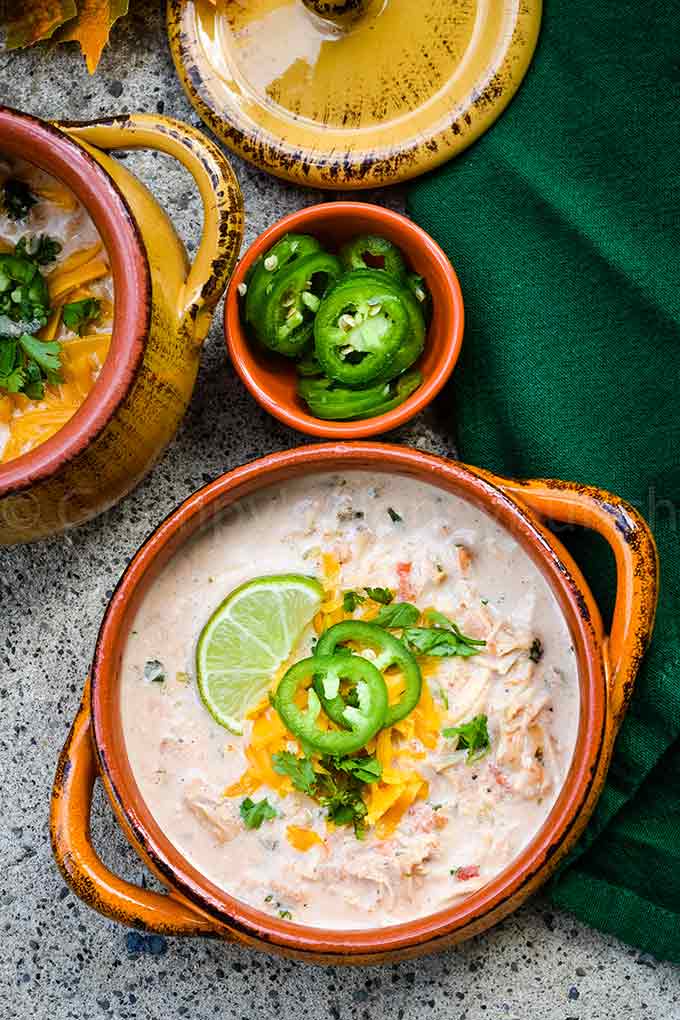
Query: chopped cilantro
point(254, 813)
point(285, 915)
point(367, 769)
point(300, 770)
point(154, 671)
point(17, 198)
point(26, 363)
point(42, 249)
point(473, 735)
point(382, 595)
point(350, 601)
point(536, 650)
point(398, 614)
point(437, 642)
point(79, 314)
point(45, 354)
point(442, 638)
point(336, 786)
point(394, 516)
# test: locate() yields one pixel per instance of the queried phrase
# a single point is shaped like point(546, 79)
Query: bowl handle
point(78, 862)
point(217, 184)
point(637, 568)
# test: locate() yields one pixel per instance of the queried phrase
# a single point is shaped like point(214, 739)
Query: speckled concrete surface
point(59, 960)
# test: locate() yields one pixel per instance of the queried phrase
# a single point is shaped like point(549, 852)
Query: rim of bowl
point(45, 146)
point(168, 538)
point(239, 345)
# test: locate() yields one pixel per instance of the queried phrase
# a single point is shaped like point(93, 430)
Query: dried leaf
point(30, 22)
point(91, 27)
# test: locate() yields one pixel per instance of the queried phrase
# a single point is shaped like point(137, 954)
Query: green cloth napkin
point(563, 223)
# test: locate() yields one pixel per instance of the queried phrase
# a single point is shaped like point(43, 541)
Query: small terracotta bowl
point(273, 379)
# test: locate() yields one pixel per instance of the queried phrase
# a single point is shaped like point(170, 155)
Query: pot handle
point(637, 568)
point(78, 862)
point(217, 184)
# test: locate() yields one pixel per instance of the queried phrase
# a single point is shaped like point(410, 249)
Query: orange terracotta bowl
point(607, 665)
point(272, 379)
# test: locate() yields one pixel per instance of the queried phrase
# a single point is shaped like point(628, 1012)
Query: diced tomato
point(471, 871)
point(406, 590)
point(499, 776)
point(464, 558)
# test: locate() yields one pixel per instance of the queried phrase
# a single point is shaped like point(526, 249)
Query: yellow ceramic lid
point(351, 93)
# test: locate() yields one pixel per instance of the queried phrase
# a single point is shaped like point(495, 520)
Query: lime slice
point(248, 638)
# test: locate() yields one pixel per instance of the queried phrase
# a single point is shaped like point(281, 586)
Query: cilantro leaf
point(438, 619)
point(13, 380)
point(536, 650)
point(340, 794)
point(336, 785)
point(42, 249)
point(443, 638)
point(79, 314)
point(254, 813)
point(33, 381)
point(8, 356)
point(350, 601)
point(473, 735)
point(44, 354)
point(394, 516)
point(398, 614)
point(17, 198)
point(300, 770)
point(436, 642)
point(366, 770)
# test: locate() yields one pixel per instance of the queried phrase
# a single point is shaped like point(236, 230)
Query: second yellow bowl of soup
point(101, 315)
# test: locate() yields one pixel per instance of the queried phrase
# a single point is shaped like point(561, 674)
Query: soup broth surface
point(80, 271)
point(442, 822)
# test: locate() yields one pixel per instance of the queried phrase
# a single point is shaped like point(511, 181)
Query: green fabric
point(563, 224)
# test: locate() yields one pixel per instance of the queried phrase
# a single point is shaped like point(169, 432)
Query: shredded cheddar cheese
point(28, 422)
point(60, 283)
point(303, 839)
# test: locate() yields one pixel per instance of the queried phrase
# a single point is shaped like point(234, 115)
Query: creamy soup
point(43, 383)
point(443, 819)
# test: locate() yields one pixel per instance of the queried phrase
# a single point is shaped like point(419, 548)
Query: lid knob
point(338, 10)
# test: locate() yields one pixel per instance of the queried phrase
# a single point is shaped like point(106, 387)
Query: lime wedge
point(248, 638)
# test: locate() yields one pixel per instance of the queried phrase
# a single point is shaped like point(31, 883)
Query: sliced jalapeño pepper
point(286, 321)
point(390, 651)
point(413, 346)
point(361, 325)
point(362, 721)
point(308, 365)
point(421, 292)
point(287, 249)
point(371, 252)
point(333, 402)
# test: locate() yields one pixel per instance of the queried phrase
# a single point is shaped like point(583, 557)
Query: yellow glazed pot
point(163, 308)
